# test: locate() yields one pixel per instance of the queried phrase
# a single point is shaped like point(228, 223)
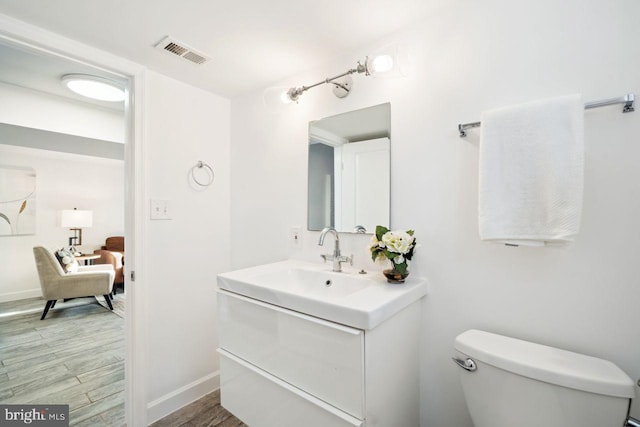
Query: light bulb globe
point(382, 63)
point(389, 61)
point(285, 98)
point(277, 98)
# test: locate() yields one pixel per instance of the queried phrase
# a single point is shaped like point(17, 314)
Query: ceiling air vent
point(182, 50)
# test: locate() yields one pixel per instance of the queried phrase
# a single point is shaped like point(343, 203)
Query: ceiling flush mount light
point(94, 87)
point(390, 61)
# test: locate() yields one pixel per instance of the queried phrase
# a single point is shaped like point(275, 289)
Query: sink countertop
point(361, 301)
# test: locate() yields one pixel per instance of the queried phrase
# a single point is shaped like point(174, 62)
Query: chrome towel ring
point(209, 171)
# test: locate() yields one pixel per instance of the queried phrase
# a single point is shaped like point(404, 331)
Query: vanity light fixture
point(94, 87)
point(390, 61)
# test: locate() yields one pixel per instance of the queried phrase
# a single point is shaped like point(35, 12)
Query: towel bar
point(628, 100)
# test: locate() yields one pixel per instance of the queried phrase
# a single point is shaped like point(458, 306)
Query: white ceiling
point(41, 72)
point(252, 43)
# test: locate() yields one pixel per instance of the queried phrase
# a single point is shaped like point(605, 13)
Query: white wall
point(63, 181)
point(184, 124)
point(583, 297)
point(38, 110)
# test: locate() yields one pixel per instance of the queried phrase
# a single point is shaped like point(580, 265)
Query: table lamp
point(74, 220)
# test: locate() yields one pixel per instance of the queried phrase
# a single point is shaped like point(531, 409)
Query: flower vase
point(394, 276)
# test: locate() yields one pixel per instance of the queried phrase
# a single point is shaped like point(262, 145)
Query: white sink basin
point(359, 300)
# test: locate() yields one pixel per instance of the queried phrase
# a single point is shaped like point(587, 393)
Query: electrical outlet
point(160, 209)
point(296, 237)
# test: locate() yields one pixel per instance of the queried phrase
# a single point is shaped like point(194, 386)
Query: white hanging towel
point(532, 172)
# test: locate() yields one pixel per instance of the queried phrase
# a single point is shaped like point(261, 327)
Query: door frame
point(37, 39)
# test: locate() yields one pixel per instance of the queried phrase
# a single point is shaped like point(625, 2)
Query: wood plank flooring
point(205, 412)
point(76, 357)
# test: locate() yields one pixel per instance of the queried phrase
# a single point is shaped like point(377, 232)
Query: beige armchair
point(90, 280)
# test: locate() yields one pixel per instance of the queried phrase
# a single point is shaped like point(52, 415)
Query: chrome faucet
point(335, 257)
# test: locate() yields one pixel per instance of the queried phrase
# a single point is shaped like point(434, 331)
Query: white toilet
point(508, 382)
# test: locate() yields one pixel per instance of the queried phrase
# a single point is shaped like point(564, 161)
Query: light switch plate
point(296, 237)
point(160, 209)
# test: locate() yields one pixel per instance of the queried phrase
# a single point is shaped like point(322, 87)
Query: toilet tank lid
point(544, 363)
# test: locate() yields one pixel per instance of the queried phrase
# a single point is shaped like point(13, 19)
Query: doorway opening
point(83, 155)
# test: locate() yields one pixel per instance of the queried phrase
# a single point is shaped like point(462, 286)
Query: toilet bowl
point(509, 382)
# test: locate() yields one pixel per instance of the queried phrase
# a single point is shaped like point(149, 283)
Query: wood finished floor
point(205, 412)
point(76, 357)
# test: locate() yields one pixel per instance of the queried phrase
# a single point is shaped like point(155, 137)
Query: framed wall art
point(17, 200)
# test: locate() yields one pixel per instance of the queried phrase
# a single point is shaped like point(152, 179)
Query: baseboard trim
point(15, 296)
point(181, 397)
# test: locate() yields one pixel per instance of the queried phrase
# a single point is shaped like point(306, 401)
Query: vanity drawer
point(262, 400)
point(322, 358)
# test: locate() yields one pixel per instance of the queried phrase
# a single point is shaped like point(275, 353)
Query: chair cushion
point(67, 260)
point(114, 243)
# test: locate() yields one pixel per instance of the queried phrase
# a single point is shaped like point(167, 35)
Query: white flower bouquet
point(395, 246)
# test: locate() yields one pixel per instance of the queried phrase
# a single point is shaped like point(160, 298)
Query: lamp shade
point(74, 218)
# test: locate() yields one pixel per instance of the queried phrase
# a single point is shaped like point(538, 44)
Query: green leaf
point(389, 254)
point(402, 268)
point(6, 218)
point(381, 231)
point(409, 254)
point(410, 232)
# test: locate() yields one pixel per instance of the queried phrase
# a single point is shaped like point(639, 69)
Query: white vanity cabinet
point(282, 368)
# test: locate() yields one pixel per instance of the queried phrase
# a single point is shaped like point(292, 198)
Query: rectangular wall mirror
point(349, 176)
